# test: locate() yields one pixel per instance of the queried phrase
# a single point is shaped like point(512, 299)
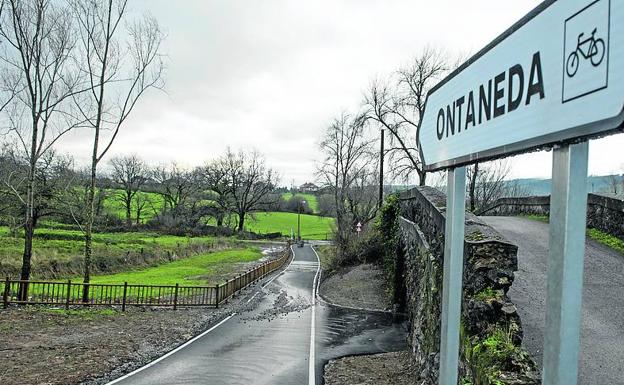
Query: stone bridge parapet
point(487, 312)
point(605, 212)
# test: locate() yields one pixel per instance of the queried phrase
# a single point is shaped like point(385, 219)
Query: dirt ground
point(364, 286)
point(376, 369)
point(48, 346)
point(361, 286)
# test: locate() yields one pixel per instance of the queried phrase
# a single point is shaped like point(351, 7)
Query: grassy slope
point(197, 270)
point(312, 226)
point(66, 247)
point(310, 198)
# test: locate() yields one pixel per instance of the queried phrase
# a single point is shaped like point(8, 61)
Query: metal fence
point(70, 293)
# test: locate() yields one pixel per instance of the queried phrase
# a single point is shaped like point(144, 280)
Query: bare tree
point(614, 183)
point(53, 173)
point(346, 157)
point(398, 105)
point(38, 54)
point(141, 201)
point(250, 183)
point(175, 185)
point(120, 66)
point(215, 178)
point(486, 183)
point(130, 173)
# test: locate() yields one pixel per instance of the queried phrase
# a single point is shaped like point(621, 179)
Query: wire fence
point(70, 293)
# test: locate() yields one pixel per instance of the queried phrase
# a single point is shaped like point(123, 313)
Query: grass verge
point(599, 236)
point(608, 240)
point(203, 269)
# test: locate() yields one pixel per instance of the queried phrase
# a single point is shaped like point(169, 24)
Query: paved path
point(275, 339)
point(602, 334)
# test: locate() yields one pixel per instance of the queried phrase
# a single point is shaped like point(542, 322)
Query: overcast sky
point(271, 75)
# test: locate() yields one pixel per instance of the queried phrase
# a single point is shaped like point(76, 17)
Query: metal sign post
point(554, 78)
point(453, 270)
point(568, 209)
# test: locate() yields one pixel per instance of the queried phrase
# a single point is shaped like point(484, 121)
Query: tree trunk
point(472, 187)
point(241, 222)
point(220, 220)
point(29, 231)
point(29, 223)
point(89, 226)
point(422, 177)
point(128, 215)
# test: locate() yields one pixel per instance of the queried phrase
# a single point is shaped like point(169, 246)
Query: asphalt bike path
point(284, 335)
point(602, 328)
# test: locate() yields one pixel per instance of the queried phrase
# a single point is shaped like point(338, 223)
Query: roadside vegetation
point(310, 199)
point(202, 269)
point(58, 251)
point(599, 236)
point(606, 239)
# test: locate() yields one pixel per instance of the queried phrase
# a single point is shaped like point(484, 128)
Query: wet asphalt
point(270, 340)
point(602, 328)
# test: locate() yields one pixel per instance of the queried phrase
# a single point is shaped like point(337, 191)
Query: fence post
point(7, 286)
point(85, 293)
point(68, 294)
point(175, 297)
point(217, 298)
point(125, 293)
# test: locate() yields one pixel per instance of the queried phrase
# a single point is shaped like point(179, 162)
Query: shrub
point(387, 226)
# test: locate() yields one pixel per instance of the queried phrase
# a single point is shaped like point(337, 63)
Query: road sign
point(555, 76)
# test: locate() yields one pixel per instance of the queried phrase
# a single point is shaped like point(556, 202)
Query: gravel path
point(377, 369)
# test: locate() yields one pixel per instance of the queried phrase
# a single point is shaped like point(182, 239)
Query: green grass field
point(310, 198)
point(201, 269)
point(312, 226)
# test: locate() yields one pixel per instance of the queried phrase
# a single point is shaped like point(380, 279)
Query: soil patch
point(361, 286)
point(53, 346)
point(375, 369)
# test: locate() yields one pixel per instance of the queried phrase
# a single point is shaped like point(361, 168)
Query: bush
point(295, 202)
point(387, 225)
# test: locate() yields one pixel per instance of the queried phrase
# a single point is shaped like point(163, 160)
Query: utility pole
point(381, 168)
point(299, 219)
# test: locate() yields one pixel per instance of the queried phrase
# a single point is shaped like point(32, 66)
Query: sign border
point(593, 130)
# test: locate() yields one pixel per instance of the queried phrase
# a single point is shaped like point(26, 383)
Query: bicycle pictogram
point(591, 49)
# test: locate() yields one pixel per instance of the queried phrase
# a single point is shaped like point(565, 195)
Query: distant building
point(309, 188)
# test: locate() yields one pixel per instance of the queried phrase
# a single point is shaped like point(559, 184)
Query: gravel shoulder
point(361, 286)
point(376, 369)
point(53, 346)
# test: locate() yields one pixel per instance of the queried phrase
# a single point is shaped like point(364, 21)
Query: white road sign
point(556, 75)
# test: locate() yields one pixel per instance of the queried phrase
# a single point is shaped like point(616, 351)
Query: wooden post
point(68, 294)
point(125, 293)
point(217, 297)
point(7, 287)
point(175, 297)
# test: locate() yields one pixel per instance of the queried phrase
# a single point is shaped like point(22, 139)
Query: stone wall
point(605, 212)
point(488, 315)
